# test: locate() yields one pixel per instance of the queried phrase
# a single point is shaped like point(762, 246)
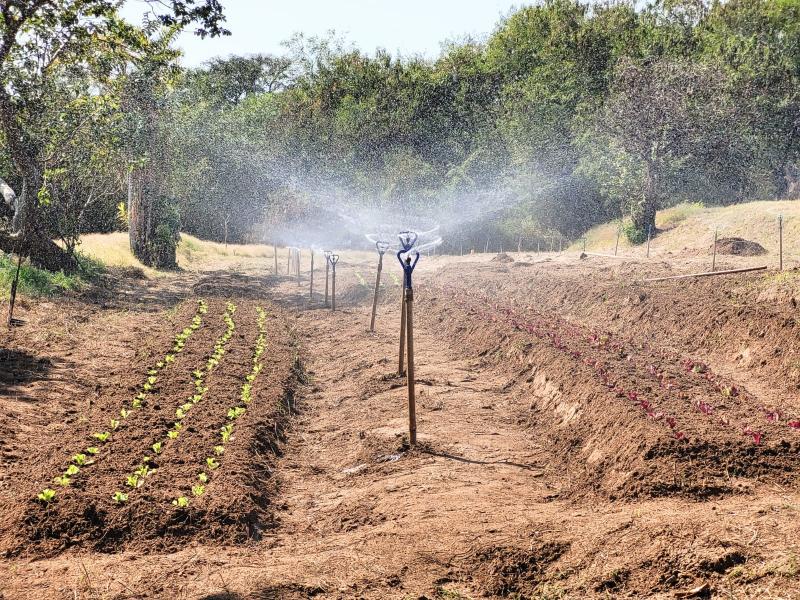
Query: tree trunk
point(644, 212)
point(149, 242)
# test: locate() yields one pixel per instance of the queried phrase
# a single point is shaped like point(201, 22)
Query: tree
point(37, 37)
point(664, 120)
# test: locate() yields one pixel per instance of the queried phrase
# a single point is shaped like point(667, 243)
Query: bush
point(633, 235)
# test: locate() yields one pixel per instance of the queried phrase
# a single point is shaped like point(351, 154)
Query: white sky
point(400, 26)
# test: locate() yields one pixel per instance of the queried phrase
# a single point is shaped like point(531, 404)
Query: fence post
point(649, 233)
point(780, 240)
point(714, 255)
point(619, 232)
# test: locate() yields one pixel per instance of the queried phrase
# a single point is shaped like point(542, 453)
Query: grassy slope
point(691, 227)
point(113, 250)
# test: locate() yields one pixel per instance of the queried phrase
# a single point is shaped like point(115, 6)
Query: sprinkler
point(382, 247)
point(327, 255)
point(333, 259)
point(407, 241)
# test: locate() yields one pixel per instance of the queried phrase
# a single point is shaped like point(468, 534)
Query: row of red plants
point(556, 330)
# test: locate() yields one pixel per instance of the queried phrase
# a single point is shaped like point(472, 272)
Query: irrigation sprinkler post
point(714, 253)
point(616, 247)
point(311, 278)
point(297, 265)
point(537, 246)
point(333, 259)
point(327, 255)
point(519, 245)
point(584, 245)
point(288, 261)
point(382, 248)
point(275, 252)
point(649, 233)
point(407, 239)
point(400, 366)
point(780, 241)
point(559, 244)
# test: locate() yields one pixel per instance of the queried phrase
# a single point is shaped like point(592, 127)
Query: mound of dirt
point(503, 258)
point(739, 247)
point(508, 571)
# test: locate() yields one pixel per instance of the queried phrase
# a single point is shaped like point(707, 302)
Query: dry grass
point(690, 227)
point(194, 254)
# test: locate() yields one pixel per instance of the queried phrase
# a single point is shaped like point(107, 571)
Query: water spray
point(407, 241)
point(327, 254)
point(382, 247)
point(333, 259)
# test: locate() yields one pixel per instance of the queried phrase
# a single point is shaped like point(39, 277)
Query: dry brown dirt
point(581, 435)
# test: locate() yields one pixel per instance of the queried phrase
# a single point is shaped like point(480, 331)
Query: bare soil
point(581, 435)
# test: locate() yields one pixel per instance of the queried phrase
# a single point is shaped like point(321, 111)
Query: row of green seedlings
point(137, 478)
point(234, 413)
point(91, 454)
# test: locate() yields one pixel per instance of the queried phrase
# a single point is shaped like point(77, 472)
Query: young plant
point(157, 447)
point(212, 463)
point(72, 470)
point(119, 497)
point(181, 502)
point(102, 436)
point(46, 495)
point(198, 490)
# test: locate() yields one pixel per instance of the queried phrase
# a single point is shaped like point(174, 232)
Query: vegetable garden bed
point(627, 418)
point(141, 484)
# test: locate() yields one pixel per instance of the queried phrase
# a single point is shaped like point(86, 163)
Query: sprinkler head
point(334, 258)
point(382, 247)
point(407, 239)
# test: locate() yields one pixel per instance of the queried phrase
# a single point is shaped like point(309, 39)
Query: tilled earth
point(582, 434)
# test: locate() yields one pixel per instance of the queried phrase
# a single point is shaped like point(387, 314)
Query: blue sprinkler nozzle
point(407, 239)
point(408, 268)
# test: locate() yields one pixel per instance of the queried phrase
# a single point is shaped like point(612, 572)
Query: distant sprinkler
point(327, 255)
point(382, 247)
point(407, 241)
point(333, 259)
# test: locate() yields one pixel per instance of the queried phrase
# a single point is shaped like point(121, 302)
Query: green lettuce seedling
point(46, 495)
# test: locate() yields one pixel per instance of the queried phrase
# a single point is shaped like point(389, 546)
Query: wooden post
point(412, 405)
point(275, 250)
point(288, 261)
point(13, 296)
point(297, 264)
point(461, 249)
point(486, 249)
point(619, 232)
point(560, 244)
point(377, 288)
point(649, 233)
point(400, 369)
point(780, 241)
point(327, 276)
point(537, 246)
point(519, 245)
point(584, 245)
point(714, 254)
point(333, 287)
point(311, 277)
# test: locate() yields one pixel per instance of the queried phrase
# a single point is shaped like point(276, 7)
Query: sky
point(406, 27)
